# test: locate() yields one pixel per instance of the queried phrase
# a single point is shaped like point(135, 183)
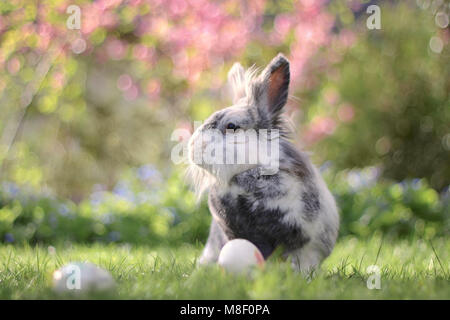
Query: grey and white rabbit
point(293, 208)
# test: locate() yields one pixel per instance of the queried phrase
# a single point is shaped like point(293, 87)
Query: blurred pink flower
point(13, 65)
point(346, 112)
point(282, 24)
point(44, 30)
point(79, 46)
point(347, 38)
point(312, 25)
point(153, 88)
point(325, 125)
point(197, 35)
point(58, 80)
point(142, 52)
point(177, 7)
point(143, 25)
point(318, 129)
point(91, 18)
point(124, 82)
point(160, 27)
point(331, 96)
point(116, 49)
point(132, 93)
point(109, 19)
point(134, 3)
point(184, 125)
point(356, 5)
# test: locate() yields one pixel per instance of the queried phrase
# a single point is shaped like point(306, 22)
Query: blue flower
point(10, 188)
point(9, 238)
point(148, 173)
point(114, 236)
point(123, 190)
point(63, 210)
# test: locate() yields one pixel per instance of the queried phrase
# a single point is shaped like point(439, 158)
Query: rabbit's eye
point(232, 126)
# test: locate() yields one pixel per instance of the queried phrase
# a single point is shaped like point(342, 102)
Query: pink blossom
point(347, 38)
point(184, 125)
point(177, 7)
point(108, 20)
point(58, 80)
point(323, 125)
point(331, 96)
point(319, 128)
point(143, 25)
point(132, 93)
point(91, 19)
point(116, 49)
point(282, 24)
point(13, 65)
point(44, 30)
point(124, 82)
point(134, 3)
point(346, 112)
point(153, 88)
point(142, 52)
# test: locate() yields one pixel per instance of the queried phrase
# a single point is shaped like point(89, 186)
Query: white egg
point(240, 255)
point(81, 277)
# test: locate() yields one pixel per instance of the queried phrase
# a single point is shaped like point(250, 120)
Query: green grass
point(409, 270)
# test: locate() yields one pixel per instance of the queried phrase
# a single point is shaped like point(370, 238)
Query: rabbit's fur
point(293, 208)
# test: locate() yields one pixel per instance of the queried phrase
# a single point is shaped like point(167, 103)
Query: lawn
point(409, 270)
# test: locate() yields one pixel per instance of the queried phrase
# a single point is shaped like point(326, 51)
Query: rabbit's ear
point(236, 81)
point(274, 86)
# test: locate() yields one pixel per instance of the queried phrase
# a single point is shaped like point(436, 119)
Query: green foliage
point(406, 209)
point(132, 213)
point(145, 209)
point(398, 90)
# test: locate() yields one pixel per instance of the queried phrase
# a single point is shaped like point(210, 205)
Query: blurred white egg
point(81, 277)
point(240, 255)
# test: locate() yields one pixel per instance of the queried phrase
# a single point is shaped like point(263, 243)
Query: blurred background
point(86, 114)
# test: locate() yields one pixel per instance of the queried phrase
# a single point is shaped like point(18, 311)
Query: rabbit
point(289, 208)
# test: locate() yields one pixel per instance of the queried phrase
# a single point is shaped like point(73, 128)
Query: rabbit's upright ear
point(274, 87)
point(236, 81)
